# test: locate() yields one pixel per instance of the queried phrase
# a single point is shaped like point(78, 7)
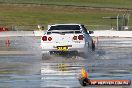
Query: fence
point(106, 27)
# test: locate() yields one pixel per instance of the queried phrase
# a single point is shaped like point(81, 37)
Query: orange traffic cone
point(84, 73)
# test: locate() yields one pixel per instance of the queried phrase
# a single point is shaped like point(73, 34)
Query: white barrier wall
point(21, 33)
point(38, 33)
point(16, 33)
point(109, 33)
point(104, 33)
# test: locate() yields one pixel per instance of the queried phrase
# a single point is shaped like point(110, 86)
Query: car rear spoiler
point(63, 31)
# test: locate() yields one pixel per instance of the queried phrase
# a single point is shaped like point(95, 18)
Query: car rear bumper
point(47, 47)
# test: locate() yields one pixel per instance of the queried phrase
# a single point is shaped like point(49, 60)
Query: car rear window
point(65, 27)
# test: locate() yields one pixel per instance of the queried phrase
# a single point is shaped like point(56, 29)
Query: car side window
point(84, 29)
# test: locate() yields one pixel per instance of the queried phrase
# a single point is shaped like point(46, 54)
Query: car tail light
point(49, 38)
point(80, 37)
point(75, 38)
point(44, 38)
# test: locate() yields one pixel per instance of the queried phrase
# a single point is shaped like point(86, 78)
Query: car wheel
point(45, 56)
point(89, 50)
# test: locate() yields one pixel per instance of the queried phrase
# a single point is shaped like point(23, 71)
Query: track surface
point(111, 60)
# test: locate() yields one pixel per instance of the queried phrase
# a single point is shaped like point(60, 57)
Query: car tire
point(89, 50)
point(45, 56)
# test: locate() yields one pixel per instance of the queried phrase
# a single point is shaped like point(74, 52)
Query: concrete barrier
point(16, 33)
point(101, 33)
point(21, 33)
point(38, 33)
point(109, 33)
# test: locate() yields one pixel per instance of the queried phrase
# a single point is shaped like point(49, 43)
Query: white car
point(66, 38)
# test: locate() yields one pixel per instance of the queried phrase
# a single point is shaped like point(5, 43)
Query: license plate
point(62, 48)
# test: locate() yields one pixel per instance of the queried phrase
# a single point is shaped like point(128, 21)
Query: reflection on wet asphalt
point(17, 70)
point(111, 60)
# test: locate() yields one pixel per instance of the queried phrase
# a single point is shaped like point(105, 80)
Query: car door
point(87, 37)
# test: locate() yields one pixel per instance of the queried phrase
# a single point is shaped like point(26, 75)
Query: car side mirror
point(91, 32)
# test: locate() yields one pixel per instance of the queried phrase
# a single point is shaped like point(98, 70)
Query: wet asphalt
point(110, 60)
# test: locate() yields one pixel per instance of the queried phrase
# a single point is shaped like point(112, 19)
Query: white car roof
point(65, 24)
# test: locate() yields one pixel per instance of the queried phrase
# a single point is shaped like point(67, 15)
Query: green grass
point(93, 3)
point(23, 14)
point(34, 15)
